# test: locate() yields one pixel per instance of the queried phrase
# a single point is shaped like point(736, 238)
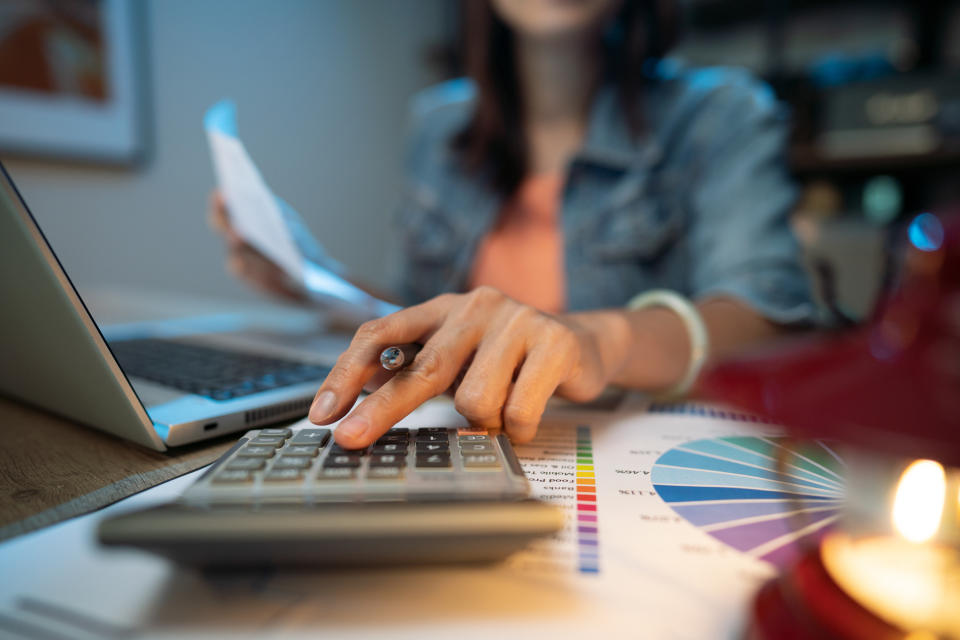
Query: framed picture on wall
point(71, 80)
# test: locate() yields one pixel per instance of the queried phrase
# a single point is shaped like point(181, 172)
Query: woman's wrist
point(646, 349)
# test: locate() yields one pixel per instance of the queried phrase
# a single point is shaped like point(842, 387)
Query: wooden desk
point(52, 469)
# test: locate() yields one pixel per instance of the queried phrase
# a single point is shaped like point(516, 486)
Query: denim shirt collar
point(609, 141)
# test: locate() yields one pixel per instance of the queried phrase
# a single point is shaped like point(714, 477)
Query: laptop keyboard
point(219, 374)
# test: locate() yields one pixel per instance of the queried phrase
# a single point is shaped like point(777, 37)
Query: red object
point(806, 604)
point(892, 386)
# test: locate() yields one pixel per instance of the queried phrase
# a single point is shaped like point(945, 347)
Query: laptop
point(155, 384)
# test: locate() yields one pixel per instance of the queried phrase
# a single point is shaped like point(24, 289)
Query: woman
point(574, 171)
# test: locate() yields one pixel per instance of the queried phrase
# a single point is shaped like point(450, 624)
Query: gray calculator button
point(432, 437)
point(474, 438)
point(271, 441)
point(282, 433)
point(433, 460)
point(283, 475)
point(256, 451)
point(246, 464)
point(391, 447)
point(481, 460)
point(388, 460)
point(341, 460)
point(476, 447)
point(432, 447)
point(384, 473)
point(318, 437)
point(238, 475)
point(292, 462)
point(308, 450)
point(337, 473)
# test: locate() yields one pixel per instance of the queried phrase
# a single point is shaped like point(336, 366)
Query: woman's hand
point(245, 262)
point(505, 359)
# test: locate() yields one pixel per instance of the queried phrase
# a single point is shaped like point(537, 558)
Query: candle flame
point(918, 505)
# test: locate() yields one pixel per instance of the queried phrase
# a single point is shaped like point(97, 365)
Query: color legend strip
point(587, 539)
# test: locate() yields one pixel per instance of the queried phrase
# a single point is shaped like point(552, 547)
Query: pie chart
point(732, 489)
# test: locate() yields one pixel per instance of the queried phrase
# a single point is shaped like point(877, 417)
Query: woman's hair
point(493, 141)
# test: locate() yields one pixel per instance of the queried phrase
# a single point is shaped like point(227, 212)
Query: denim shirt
point(697, 204)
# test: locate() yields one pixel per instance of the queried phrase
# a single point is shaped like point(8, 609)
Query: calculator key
point(433, 460)
point(236, 475)
point(282, 433)
point(432, 447)
point(474, 438)
point(385, 473)
point(337, 473)
point(395, 431)
point(393, 440)
point(292, 462)
point(338, 450)
point(318, 437)
point(476, 447)
point(388, 460)
point(308, 450)
point(256, 451)
point(390, 448)
point(269, 441)
point(283, 475)
point(341, 460)
point(432, 437)
point(481, 460)
point(246, 464)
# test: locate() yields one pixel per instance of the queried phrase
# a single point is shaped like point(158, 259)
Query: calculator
point(279, 496)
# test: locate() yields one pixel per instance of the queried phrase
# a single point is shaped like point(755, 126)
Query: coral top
point(523, 254)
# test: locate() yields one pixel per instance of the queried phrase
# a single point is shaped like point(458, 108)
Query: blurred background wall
point(321, 89)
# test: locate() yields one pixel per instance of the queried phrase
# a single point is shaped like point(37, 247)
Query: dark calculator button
point(237, 475)
point(433, 460)
point(390, 448)
point(474, 438)
point(283, 433)
point(341, 460)
point(393, 440)
point(476, 447)
point(388, 460)
point(337, 473)
point(292, 462)
point(432, 437)
point(385, 473)
point(338, 450)
point(481, 460)
point(398, 431)
point(318, 437)
point(432, 447)
point(432, 430)
point(246, 464)
point(273, 441)
point(256, 451)
point(283, 475)
point(308, 450)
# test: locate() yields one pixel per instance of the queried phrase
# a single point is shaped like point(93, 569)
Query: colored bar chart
point(586, 487)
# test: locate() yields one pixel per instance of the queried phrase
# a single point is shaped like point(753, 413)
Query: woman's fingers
point(361, 361)
point(430, 373)
point(482, 392)
point(548, 363)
